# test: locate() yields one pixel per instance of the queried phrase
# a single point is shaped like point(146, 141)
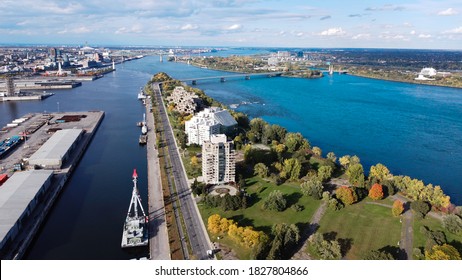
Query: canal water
point(414, 130)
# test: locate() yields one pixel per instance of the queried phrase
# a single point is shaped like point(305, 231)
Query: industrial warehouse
point(35, 171)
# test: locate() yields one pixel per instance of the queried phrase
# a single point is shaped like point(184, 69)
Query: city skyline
point(415, 24)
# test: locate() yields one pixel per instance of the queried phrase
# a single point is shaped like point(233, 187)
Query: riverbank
point(394, 76)
point(295, 151)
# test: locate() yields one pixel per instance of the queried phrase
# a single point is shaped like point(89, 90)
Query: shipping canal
point(414, 130)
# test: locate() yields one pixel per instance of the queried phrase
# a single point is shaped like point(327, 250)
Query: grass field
point(263, 220)
point(361, 227)
point(434, 224)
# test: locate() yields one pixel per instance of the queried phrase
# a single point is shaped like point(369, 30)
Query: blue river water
point(414, 130)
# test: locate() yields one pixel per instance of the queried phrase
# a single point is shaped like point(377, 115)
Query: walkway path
point(301, 254)
point(159, 248)
point(407, 231)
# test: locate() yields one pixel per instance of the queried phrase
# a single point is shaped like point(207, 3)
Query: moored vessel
point(135, 231)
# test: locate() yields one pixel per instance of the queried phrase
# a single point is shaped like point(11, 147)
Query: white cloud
point(361, 36)
point(189, 27)
point(234, 27)
point(457, 30)
point(412, 32)
point(336, 31)
point(448, 12)
point(137, 28)
point(81, 30)
point(390, 36)
point(425, 36)
point(299, 34)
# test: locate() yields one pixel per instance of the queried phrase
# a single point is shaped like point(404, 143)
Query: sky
point(415, 24)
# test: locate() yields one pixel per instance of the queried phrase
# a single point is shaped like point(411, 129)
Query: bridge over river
point(247, 76)
point(222, 78)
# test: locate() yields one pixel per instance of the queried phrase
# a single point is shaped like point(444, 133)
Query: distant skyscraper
point(53, 54)
point(9, 86)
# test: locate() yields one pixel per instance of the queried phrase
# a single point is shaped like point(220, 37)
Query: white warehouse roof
point(52, 152)
point(16, 194)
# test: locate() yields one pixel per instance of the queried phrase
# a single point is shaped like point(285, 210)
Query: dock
point(159, 248)
point(25, 205)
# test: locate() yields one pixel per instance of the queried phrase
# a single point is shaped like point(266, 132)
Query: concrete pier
point(16, 245)
point(159, 248)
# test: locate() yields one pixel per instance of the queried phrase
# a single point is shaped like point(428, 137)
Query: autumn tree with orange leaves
point(398, 208)
point(346, 195)
point(376, 192)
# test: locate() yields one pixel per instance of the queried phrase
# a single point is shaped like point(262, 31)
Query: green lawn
point(264, 219)
point(186, 158)
point(434, 225)
point(362, 227)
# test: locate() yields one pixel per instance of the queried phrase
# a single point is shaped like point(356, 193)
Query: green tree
point(355, 173)
point(326, 249)
point(421, 208)
point(280, 149)
point(241, 119)
point(325, 173)
point(261, 170)
point(378, 255)
point(275, 201)
point(346, 195)
point(291, 169)
point(279, 132)
point(313, 187)
point(442, 252)
point(257, 126)
point(380, 172)
point(332, 157)
point(354, 160)
point(317, 151)
point(453, 223)
point(285, 239)
point(295, 142)
point(345, 161)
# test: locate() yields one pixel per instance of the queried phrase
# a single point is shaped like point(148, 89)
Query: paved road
point(159, 248)
point(196, 231)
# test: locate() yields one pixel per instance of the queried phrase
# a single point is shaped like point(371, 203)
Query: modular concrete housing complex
point(57, 149)
point(218, 160)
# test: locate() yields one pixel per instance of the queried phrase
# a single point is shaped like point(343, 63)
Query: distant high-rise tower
point(53, 54)
point(9, 86)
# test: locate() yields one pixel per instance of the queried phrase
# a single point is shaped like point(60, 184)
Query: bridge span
point(222, 78)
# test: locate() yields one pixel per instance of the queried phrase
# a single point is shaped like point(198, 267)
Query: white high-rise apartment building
point(199, 129)
point(207, 122)
point(218, 160)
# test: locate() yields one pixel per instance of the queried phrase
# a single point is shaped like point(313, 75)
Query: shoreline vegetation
point(304, 69)
point(405, 77)
point(293, 202)
point(248, 64)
